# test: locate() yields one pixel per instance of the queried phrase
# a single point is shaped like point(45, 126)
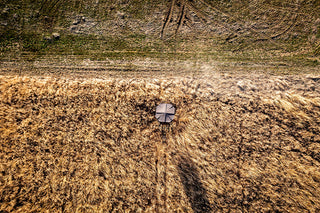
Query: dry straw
point(89, 145)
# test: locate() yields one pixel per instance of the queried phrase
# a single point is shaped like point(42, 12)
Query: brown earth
point(239, 143)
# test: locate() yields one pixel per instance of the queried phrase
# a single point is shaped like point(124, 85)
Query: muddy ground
point(239, 143)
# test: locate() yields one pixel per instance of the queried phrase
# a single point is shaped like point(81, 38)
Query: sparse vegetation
point(238, 26)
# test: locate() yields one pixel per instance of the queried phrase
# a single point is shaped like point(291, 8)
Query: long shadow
point(193, 187)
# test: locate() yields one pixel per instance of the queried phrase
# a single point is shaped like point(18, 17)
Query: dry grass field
point(80, 82)
point(239, 143)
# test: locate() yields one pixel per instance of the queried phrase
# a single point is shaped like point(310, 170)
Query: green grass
point(25, 39)
point(140, 46)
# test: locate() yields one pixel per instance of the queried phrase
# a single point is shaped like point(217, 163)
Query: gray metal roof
point(165, 113)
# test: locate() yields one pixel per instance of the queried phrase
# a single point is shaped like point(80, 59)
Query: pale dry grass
point(237, 144)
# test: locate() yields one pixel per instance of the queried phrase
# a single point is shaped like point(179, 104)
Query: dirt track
point(238, 143)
